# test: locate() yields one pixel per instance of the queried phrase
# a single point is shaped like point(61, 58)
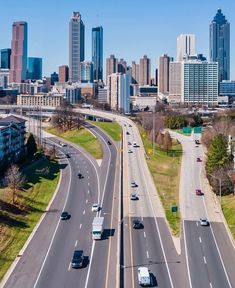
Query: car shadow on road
point(108, 233)
point(153, 280)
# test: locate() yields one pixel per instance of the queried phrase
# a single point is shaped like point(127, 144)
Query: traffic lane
point(177, 262)
point(101, 251)
point(67, 234)
point(197, 267)
point(149, 253)
point(216, 271)
point(26, 271)
point(226, 249)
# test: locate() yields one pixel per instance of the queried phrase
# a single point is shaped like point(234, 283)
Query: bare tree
point(14, 180)
point(167, 143)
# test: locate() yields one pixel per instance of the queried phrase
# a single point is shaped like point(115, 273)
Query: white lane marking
point(84, 212)
point(69, 266)
point(211, 285)
point(88, 177)
point(49, 248)
point(89, 266)
point(80, 226)
point(142, 218)
point(88, 183)
point(147, 252)
point(204, 258)
point(144, 235)
point(87, 172)
point(197, 223)
point(217, 247)
point(186, 254)
point(88, 191)
point(76, 243)
point(200, 239)
point(86, 201)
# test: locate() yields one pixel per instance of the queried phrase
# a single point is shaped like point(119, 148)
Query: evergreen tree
point(217, 153)
point(31, 145)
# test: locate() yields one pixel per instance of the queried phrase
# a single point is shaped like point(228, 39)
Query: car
point(197, 142)
point(134, 196)
point(199, 159)
point(199, 192)
point(95, 207)
point(144, 277)
point(109, 143)
point(80, 176)
point(78, 259)
point(135, 144)
point(130, 125)
point(136, 224)
point(68, 156)
point(62, 144)
point(130, 151)
point(124, 125)
point(204, 222)
point(127, 133)
point(133, 184)
point(129, 143)
point(64, 215)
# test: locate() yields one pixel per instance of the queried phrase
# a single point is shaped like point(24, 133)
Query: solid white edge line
point(49, 248)
point(89, 266)
point(186, 255)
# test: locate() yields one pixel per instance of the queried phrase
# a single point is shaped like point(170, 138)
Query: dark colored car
point(68, 156)
point(109, 142)
point(78, 259)
point(80, 176)
point(127, 133)
point(199, 192)
point(134, 196)
point(197, 142)
point(129, 143)
point(130, 125)
point(136, 224)
point(199, 159)
point(64, 216)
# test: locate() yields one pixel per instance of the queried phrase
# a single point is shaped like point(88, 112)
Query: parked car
point(204, 222)
point(95, 207)
point(64, 215)
point(199, 192)
point(78, 259)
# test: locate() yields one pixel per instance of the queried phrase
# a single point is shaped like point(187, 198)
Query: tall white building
point(145, 71)
point(194, 82)
point(76, 46)
point(185, 46)
point(119, 92)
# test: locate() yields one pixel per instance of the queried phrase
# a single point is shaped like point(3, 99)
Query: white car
point(62, 144)
point(95, 207)
point(130, 151)
point(133, 184)
point(135, 144)
point(204, 222)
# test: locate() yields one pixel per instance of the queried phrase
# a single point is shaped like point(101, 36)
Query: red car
point(199, 192)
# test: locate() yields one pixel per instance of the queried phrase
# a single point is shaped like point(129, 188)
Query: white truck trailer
point(144, 278)
point(97, 228)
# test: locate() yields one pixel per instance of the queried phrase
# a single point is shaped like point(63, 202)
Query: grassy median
point(113, 129)
point(228, 205)
point(81, 137)
point(165, 170)
point(18, 220)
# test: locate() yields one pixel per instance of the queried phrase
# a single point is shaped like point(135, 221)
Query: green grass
point(165, 170)
point(113, 129)
point(83, 138)
point(18, 220)
point(228, 205)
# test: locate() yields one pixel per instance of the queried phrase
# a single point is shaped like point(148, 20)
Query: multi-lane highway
point(47, 260)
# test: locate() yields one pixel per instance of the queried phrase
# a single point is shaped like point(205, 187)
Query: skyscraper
point(87, 72)
point(97, 52)
point(135, 73)
point(76, 46)
point(220, 44)
point(185, 46)
point(34, 68)
point(19, 51)
point(163, 74)
point(145, 70)
point(122, 66)
point(63, 73)
point(5, 58)
point(111, 66)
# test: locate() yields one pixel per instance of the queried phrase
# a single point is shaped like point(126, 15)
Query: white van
point(144, 278)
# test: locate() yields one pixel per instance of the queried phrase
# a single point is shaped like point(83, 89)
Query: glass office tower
point(97, 52)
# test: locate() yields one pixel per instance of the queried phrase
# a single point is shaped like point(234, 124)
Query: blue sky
point(131, 28)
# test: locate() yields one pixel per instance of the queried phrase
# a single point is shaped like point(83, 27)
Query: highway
point(207, 247)
point(47, 260)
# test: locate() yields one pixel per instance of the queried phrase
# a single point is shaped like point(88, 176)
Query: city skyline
point(53, 47)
